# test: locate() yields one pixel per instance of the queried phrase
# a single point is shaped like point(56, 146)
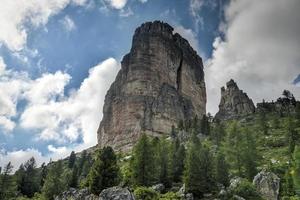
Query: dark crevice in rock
point(179, 70)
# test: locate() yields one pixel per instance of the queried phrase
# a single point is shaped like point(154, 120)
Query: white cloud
point(68, 23)
point(54, 115)
point(117, 4)
point(143, 1)
point(13, 15)
point(260, 51)
point(20, 156)
point(195, 8)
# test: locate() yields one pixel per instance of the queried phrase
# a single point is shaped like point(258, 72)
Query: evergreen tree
point(163, 163)
point(74, 177)
point(72, 159)
point(82, 160)
point(198, 174)
point(288, 186)
point(142, 164)
point(43, 174)
point(233, 148)
point(7, 184)
point(218, 133)
point(222, 169)
point(263, 123)
point(292, 136)
point(28, 182)
point(250, 154)
point(205, 125)
point(55, 182)
point(104, 172)
point(177, 160)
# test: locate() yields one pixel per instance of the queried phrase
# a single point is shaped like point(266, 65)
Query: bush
point(246, 190)
point(144, 193)
point(170, 196)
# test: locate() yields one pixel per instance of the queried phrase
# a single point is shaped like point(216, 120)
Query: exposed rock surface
point(234, 103)
point(161, 82)
point(73, 194)
point(267, 184)
point(116, 193)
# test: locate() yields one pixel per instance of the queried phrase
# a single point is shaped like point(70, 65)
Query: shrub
point(144, 193)
point(170, 196)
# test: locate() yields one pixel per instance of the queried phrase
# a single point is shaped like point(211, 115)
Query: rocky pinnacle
point(161, 82)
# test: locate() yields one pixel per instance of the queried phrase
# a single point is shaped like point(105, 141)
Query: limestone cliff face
point(234, 103)
point(161, 82)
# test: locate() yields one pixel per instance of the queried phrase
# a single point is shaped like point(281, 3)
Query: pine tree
point(163, 163)
point(143, 162)
point(205, 125)
point(198, 174)
point(222, 169)
point(288, 187)
point(7, 184)
point(104, 172)
point(43, 174)
point(74, 177)
point(292, 136)
point(72, 159)
point(55, 182)
point(28, 182)
point(250, 154)
point(218, 133)
point(177, 160)
point(233, 148)
point(263, 123)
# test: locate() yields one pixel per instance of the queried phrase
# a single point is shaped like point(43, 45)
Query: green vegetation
point(201, 153)
point(105, 171)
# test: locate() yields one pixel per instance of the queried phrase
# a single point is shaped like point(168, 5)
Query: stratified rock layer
point(234, 103)
point(161, 82)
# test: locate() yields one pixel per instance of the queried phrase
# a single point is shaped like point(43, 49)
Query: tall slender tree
point(222, 169)
point(7, 184)
point(104, 172)
point(143, 163)
point(72, 159)
point(55, 182)
point(250, 154)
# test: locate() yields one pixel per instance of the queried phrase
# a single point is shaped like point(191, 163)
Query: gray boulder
point(116, 193)
point(158, 187)
point(73, 194)
point(267, 184)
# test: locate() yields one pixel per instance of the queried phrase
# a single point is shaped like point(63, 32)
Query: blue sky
point(58, 58)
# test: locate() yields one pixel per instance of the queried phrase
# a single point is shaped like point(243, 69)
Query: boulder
point(267, 184)
point(116, 193)
point(73, 194)
point(158, 187)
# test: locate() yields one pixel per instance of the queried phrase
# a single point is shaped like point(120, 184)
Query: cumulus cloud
point(14, 14)
point(68, 23)
point(54, 115)
point(260, 50)
point(20, 156)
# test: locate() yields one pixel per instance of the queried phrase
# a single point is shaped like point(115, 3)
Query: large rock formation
point(161, 82)
point(234, 103)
